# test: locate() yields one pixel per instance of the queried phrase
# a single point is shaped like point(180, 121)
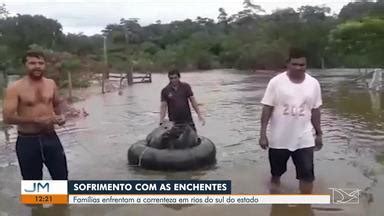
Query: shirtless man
point(32, 103)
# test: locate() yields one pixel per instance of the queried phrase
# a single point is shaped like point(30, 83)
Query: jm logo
point(37, 187)
point(345, 196)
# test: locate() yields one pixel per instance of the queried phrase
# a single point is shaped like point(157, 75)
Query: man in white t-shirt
point(292, 103)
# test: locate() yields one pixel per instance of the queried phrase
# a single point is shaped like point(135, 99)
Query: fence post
point(69, 75)
point(130, 77)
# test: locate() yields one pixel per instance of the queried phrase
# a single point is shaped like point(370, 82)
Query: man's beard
point(33, 76)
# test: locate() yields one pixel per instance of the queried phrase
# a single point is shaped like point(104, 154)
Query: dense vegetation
point(249, 39)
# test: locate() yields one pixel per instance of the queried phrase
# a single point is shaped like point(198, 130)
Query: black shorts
point(34, 150)
point(302, 158)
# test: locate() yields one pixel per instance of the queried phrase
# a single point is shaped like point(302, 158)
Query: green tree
point(360, 9)
point(223, 16)
point(19, 32)
point(360, 38)
point(3, 12)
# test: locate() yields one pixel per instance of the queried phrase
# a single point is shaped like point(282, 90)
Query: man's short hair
point(33, 53)
point(174, 72)
point(296, 53)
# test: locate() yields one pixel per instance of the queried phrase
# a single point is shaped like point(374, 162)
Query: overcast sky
point(91, 16)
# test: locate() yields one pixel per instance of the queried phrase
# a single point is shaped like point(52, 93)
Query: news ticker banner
point(151, 192)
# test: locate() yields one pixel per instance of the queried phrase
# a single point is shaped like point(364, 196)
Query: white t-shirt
point(290, 123)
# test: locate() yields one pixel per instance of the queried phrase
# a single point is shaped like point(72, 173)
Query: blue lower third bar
point(150, 187)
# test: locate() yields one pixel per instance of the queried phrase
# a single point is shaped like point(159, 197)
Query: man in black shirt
point(175, 97)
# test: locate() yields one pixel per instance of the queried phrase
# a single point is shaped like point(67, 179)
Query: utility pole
point(104, 75)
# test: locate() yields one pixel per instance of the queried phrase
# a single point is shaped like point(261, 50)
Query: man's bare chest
point(34, 95)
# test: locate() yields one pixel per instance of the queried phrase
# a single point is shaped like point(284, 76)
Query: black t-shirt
point(178, 102)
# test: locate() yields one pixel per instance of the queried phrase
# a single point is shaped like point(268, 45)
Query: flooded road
point(96, 146)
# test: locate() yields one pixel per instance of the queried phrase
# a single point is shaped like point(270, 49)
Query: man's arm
point(195, 106)
point(163, 110)
point(11, 102)
point(265, 116)
point(315, 112)
point(316, 119)
point(58, 106)
point(197, 110)
point(268, 102)
point(57, 100)
point(163, 105)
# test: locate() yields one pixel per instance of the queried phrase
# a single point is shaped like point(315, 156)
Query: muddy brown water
point(96, 146)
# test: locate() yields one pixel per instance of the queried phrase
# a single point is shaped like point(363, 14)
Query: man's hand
point(60, 120)
point(263, 142)
point(45, 121)
point(318, 142)
point(201, 119)
point(49, 121)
